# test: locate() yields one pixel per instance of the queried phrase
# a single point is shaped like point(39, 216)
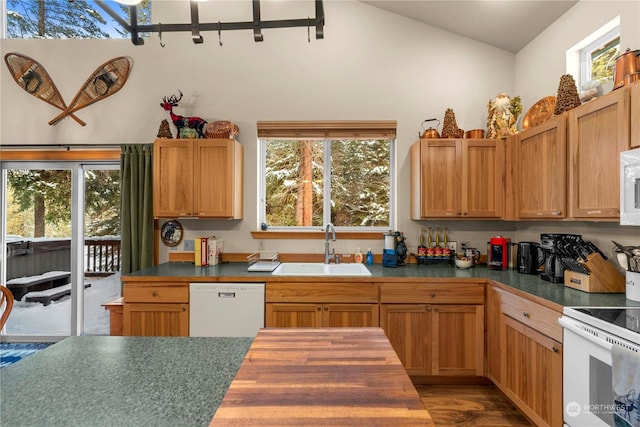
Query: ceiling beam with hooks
point(195, 27)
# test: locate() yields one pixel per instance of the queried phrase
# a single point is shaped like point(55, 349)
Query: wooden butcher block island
point(325, 376)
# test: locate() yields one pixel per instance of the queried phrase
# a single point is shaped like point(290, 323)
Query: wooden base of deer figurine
point(188, 127)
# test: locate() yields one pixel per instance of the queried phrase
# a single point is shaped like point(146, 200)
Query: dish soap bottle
point(358, 256)
point(369, 257)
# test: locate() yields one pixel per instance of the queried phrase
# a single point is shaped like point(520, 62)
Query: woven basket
point(221, 129)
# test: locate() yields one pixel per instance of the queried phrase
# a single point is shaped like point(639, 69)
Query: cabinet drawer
point(158, 292)
point(534, 315)
point(432, 293)
point(322, 292)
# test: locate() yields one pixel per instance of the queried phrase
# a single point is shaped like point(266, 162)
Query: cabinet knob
point(318, 308)
point(556, 213)
point(433, 295)
point(326, 308)
point(154, 293)
point(555, 349)
point(525, 314)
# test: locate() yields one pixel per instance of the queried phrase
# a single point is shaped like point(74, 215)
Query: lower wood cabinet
point(524, 354)
point(532, 372)
point(292, 315)
point(314, 305)
point(443, 338)
point(155, 309)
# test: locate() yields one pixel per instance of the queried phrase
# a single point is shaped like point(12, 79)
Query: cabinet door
point(458, 340)
point(532, 372)
point(216, 179)
point(165, 320)
point(440, 166)
point(173, 178)
point(290, 315)
point(482, 178)
point(408, 328)
point(540, 168)
point(598, 132)
point(350, 315)
point(634, 92)
point(493, 306)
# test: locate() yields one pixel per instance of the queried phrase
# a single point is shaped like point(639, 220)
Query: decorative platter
point(171, 233)
point(539, 112)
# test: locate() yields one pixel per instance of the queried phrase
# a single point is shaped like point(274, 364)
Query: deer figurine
point(180, 122)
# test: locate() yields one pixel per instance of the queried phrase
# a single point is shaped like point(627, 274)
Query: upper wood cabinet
point(634, 92)
point(457, 178)
point(197, 178)
point(538, 167)
point(598, 132)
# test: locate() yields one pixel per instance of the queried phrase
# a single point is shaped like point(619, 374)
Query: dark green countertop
point(121, 381)
point(556, 293)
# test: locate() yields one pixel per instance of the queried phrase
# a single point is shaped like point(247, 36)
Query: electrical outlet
point(261, 245)
point(189, 245)
point(453, 246)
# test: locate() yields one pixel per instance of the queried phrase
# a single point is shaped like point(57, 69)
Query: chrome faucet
point(327, 256)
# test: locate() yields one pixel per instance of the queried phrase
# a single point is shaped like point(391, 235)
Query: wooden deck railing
point(103, 256)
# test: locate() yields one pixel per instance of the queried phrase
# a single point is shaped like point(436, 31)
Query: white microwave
point(630, 187)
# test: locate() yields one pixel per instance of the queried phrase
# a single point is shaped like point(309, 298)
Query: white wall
point(371, 65)
point(539, 65)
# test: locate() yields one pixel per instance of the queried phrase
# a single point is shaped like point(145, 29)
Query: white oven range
point(588, 336)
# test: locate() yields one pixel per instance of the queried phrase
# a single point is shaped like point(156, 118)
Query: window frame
point(326, 132)
point(586, 51)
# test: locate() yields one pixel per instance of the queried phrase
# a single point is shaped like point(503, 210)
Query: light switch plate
point(189, 245)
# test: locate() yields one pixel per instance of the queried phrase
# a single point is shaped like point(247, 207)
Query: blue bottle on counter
point(369, 257)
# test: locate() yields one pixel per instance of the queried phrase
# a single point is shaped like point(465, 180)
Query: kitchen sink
point(320, 269)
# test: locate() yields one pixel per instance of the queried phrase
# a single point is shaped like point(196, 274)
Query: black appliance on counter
point(530, 257)
point(566, 252)
point(553, 245)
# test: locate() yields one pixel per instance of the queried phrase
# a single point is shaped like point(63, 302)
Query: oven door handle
point(571, 325)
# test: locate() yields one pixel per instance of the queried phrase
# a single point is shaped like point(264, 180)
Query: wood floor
point(470, 405)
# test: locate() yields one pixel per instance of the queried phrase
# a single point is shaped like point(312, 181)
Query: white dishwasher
point(225, 309)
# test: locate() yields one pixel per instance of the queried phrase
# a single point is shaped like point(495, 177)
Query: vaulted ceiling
point(505, 24)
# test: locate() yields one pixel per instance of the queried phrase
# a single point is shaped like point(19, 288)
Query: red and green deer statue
point(196, 123)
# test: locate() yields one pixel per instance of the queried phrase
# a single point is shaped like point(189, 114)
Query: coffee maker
point(395, 249)
point(498, 256)
point(551, 244)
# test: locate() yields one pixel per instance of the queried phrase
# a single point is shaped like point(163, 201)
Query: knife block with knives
point(602, 276)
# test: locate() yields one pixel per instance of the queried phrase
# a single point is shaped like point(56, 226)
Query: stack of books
point(208, 251)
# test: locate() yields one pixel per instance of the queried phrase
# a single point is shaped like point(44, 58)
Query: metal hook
point(219, 33)
point(308, 30)
point(160, 35)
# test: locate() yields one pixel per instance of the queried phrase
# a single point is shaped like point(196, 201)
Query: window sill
point(342, 235)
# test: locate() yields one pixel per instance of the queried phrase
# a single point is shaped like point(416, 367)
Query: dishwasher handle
point(226, 294)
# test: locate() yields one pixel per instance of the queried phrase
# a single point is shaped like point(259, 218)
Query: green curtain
point(136, 221)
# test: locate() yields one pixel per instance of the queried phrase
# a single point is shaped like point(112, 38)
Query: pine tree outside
point(354, 174)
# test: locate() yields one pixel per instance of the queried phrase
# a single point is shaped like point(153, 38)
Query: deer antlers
point(172, 99)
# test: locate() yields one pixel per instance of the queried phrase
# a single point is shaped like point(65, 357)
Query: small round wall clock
point(171, 233)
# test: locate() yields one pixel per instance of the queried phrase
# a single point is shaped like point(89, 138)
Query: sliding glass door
point(60, 231)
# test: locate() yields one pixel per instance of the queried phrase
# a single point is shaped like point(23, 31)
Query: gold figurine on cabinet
point(503, 115)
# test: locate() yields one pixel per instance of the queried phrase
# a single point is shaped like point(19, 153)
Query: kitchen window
point(597, 60)
point(314, 173)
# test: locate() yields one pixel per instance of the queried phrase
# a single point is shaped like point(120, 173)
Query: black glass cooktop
point(628, 318)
